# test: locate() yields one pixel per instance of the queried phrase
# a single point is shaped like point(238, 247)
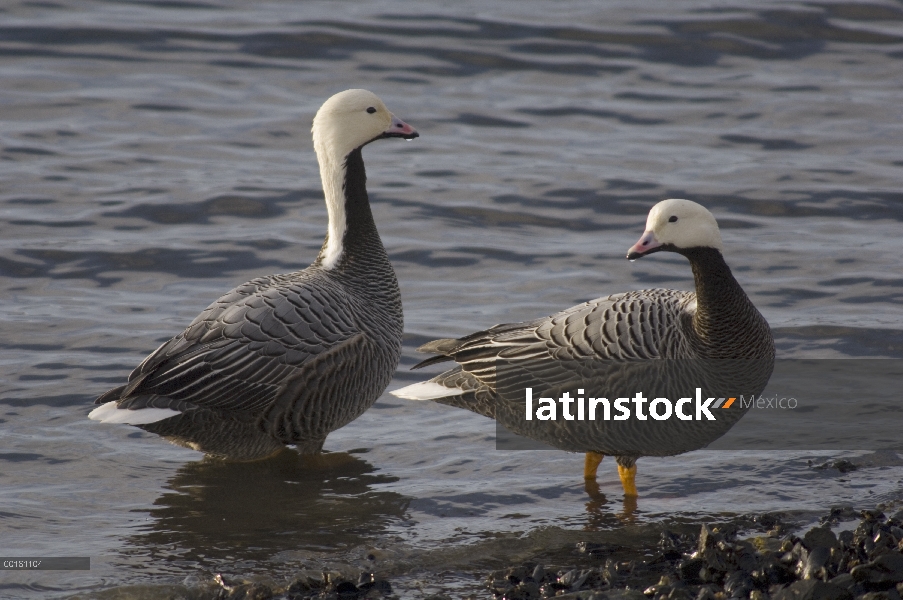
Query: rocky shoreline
point(714, 562)
point(865, 563)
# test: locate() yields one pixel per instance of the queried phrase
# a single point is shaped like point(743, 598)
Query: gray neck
point(359, 258)
point(726, 322)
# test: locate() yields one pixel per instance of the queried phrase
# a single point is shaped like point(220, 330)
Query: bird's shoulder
point(637, 324)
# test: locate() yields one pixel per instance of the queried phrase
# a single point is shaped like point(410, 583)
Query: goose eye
point(673, 219)
point(371, 110)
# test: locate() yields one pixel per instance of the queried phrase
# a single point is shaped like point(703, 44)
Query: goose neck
point(352, 242)
point(719, 297)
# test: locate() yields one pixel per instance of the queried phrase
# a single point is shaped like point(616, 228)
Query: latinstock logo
point(623, 409)
point(665, 407)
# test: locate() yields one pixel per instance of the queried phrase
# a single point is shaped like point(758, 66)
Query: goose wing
point(633, 325)
point(238, 353)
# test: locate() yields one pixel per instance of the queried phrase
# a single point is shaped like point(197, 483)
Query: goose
point(654, 328)
point(286, 359)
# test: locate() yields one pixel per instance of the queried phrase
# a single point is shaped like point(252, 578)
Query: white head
point(677, 225)
point(352, 119)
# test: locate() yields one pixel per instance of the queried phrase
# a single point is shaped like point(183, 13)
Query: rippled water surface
point(155, 154)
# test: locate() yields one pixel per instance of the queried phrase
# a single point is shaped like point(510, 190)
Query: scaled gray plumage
point(285, 359)
point(658, 341)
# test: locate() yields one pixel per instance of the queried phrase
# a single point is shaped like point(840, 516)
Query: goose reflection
point(600, 512)
point(251, 511)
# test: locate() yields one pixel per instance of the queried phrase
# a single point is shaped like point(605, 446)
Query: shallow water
point(156, 154)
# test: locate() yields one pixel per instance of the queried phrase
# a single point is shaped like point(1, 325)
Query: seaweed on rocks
point(717, 564)
point(333, 586)
point(328, 586)
point(720, 561)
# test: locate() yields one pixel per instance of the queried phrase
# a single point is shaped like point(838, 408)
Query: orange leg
point(591, 464)
point(628, 479)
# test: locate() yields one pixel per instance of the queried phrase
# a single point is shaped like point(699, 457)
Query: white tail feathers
point(110, 413)
point(426, 390)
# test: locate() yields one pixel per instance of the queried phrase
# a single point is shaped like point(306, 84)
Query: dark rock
point(247, 591)
point(383, 586)
point(869, 546)
point(883, 573)
point(708, 575)
point(865, 529)
point(669, 541)
point(872, 515)
point(717, 560)
point(812, 589)
point(744, 556)
point(680, 593)
point(662, 587)
point(842, 465)
point(890, 594)
point(765, 544)
point(539, 573)
point(707, 592)
point(845, 538)
point(612, 595)
point(884, 538)
point(347, 590)
point(818, 537)
point(373, 587)
point(815, 564)
point(841, 513)
point(728, 531)
point(667, 556)
point(304, 587)
point(776, 572)
point(844, 580)
point(573, 579)
point(594, 580)
point(689, 570)
point(497, 576)
point(593, 548)
point(529, 590)
point(708, 539)
point(767, 520)
point(567, 578)
point(846, 563)
point(738, 585)
point(611, 572)
point(516, 575)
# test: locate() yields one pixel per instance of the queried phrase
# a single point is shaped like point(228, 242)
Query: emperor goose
point(286, 359)
point(654, 328)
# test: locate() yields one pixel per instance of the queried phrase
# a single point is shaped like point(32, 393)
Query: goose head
point(675, 226)
point(352, 119)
